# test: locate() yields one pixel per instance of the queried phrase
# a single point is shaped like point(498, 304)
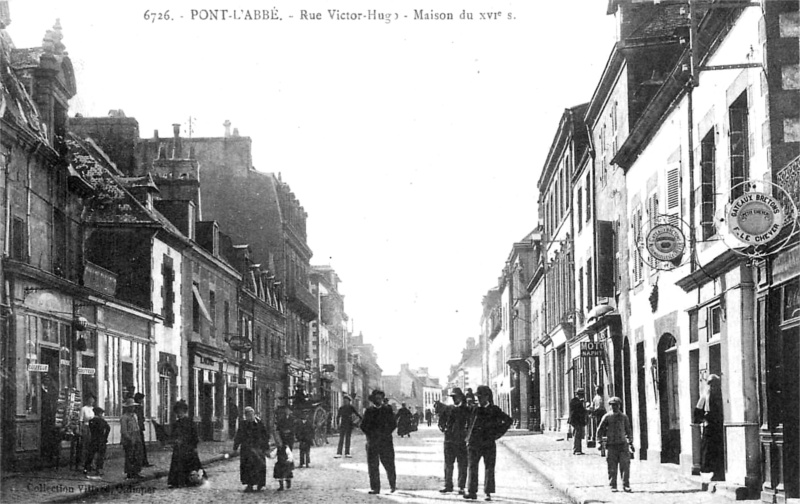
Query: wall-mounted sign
point(64, 362)
point(591, 349)
point(665, 242)
point(86, 371)
point(39, 368)
point(755, 218)
point(241, 344)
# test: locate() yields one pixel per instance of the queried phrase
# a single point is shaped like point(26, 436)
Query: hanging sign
point(86, 371)
point(755, 218)
point(665, 242)
point(241, 344)
point(591, 349)
point(39, 368)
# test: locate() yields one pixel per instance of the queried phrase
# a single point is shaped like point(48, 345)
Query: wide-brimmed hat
point(129, 402)
point(457, 392)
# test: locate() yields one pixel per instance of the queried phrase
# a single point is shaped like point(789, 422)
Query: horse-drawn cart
point(317, 414)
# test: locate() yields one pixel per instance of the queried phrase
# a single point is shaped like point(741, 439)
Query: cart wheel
point(320, 422)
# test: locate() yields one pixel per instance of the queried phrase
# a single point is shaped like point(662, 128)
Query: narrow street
point(419, 464)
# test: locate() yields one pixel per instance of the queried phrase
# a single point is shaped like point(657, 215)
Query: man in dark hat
point(345, 417)
point(577, 419)
point(454, 424)
point(619, 444)
point(487, 424)
point(378, 425)
point(139, 410)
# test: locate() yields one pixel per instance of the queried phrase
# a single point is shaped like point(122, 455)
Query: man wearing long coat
point(454, 423)
point(378, 425)
point(487, 424)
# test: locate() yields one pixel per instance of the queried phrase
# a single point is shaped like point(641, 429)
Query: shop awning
point(200, 303)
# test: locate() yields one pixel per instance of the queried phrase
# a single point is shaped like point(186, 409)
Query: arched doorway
point(668, 389)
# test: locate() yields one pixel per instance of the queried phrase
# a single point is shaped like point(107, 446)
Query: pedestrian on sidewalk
point(131, 439)
point(454, 422)
point(616, 427)
point(233, 415)
point(378, 424)
point(252, 436)
point(284, 439)
point(139, 398)
point(304, 431)
point(487, 424)
point(428, 416)
point(577, 419)
point(84, 434)
point(708, 412)
point(403, 419)
point(346, 417)
point(185, 463)
point(98, 431)
point(597, 412)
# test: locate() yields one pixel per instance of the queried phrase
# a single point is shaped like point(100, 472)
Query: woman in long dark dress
point(253, 438)
point(284, 438)
point(185, 459)
point(404, 421)
point(708, 412)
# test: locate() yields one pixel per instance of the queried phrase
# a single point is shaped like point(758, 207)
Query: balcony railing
point(302, 300)
point(520, 349)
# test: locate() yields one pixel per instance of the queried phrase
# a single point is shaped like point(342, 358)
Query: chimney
point(227, 125)
point(236, 132)
point(155, 134)
point(176, 146)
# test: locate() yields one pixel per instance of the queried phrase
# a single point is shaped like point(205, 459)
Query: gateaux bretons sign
point(755, 218)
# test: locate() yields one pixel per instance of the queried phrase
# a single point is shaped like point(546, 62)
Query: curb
point(111, 487)
point(571, 491)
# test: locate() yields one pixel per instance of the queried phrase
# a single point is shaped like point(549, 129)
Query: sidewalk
point(584, 478)
point(66, 485)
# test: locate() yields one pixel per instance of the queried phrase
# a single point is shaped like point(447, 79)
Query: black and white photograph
point(368, 251)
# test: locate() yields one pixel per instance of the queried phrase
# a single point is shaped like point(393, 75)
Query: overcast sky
point(415, 145)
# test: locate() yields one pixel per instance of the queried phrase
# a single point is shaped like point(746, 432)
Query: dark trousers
point(577, 438)
point(455, 452)
point(96, 453)
point(383, 452)
point(144, 450)
point(618, 455)
point(344, 439)
point(305, 453)
point(474, 454)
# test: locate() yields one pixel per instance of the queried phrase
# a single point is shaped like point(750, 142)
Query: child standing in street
point(98, 429)
point(305, 435)
point(619, 443)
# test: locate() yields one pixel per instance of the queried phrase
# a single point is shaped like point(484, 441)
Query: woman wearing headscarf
point(131, 439)
point(253, 438)
point(708, 412)
point(185, 459)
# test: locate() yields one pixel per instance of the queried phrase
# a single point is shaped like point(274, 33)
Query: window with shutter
point(707, 185)
point(674, 195)
point(738, 139)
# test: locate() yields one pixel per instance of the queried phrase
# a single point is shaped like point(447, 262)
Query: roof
point(662, 22)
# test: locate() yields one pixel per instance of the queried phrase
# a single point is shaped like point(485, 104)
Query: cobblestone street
point(419, 477)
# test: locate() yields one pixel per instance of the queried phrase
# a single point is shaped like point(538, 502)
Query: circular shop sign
point(240, 344)
point(755, 218)
point(665, 242)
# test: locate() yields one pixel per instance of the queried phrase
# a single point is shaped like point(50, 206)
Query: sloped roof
point(16, 105)
point(663, 22)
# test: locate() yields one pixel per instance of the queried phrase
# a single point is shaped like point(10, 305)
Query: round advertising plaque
point(755, 218)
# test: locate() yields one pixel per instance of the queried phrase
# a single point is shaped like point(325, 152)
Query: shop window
point(18, 248)
point(212, 301)
point(791, 301)
point(168, 291)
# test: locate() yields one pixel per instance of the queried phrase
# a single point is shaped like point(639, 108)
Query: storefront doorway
point(641, 374)
point(668, 390)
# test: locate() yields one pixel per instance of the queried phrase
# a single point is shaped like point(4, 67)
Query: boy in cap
point(619, 442)
point(99, 429)
point(454, 425)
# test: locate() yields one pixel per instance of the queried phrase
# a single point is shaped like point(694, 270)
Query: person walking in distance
point(577, 419)
point(487, 424)
point(619, 443)
point(378, 425)
point(304, 432)
point(597, 412)
point(403, 419)
point(345, 417)
point(454, 424)
point(428, 416)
